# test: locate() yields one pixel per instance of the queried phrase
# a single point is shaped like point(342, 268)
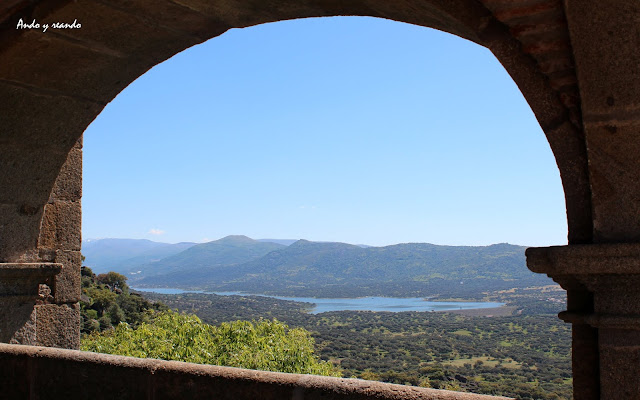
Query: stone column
point(603, 286)
point(40, 248)
point(58, 320)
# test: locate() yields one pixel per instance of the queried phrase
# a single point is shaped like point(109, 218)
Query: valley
point(523, 351)
point(520, 349)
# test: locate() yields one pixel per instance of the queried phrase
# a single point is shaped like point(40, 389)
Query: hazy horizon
point(287, 239)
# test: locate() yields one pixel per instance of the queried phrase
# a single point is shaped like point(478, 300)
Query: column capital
point(609, 272)
point(585, 259)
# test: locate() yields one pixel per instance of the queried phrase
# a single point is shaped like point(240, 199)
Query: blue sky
point(349, 129)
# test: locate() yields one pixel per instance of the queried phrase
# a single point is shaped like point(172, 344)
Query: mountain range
point(270, 266)
point(122, 255)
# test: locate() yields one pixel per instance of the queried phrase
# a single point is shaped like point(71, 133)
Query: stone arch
point(56, 82)
point(575, 62)
point(70, 75)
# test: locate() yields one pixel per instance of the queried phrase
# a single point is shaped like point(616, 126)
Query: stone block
point(68, 281)
point(19, 229)
point(605, 42)
point(18, 321)
point(616, 295)
point(68, 70)
point(28, 174)
point(585, 362)
point(619, 358)
point(614, 165)
point(58, 325)
point(61, 226)
point(48, 130)
point(175, 16)
point(128, 32)
point(68, 185)
point(243, 13)
point(91, 63)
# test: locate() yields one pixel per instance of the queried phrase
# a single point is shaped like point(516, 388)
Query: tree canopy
point(264, 345)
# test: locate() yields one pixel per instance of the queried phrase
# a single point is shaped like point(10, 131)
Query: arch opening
point(275, 128)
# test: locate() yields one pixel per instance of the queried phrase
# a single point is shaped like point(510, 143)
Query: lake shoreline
point(369, 303)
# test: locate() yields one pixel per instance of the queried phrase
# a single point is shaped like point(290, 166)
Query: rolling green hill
point(202, 261)
point(344, 270)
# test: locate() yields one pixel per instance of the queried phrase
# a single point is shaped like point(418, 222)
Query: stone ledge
point(601, 320)
point(77, 373)
point(28, 281)
point(29, 270)
point(585, 259)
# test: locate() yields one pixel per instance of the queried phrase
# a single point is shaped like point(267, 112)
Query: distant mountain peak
point(301, 242)
point(235, 238)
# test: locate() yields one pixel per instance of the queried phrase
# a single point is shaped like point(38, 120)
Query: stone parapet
point(29, 372)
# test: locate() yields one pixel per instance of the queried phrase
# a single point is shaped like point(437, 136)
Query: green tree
point(114, 280)
point(106, 302)
point(264, 345)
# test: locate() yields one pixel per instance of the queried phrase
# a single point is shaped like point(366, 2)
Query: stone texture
point(21, 288)
point(48, 131)
point(604, 307)
point(68, 184)
point(619, 358)
point(18, 323)
point(588, 259)
point(29, 173)
point(82, 58)
point(61, 224)
point(605, 42)
point(614, 157)
point(57, 325)
point(24, 279)
point(19, 230)
point(68, 283)
point(586, 371)
point(172, 16)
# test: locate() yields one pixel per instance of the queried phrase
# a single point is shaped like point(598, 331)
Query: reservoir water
point(393, 304)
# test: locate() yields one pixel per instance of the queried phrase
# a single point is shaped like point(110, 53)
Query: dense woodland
point(526, 355)
point(116, 321)
point(106, 301)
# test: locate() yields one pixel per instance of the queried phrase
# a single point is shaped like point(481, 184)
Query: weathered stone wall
point(28, 372)
point(576, 62)
point(40, 275)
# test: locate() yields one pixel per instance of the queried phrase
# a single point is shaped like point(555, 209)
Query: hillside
point(344, 270)
point(203, 260)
